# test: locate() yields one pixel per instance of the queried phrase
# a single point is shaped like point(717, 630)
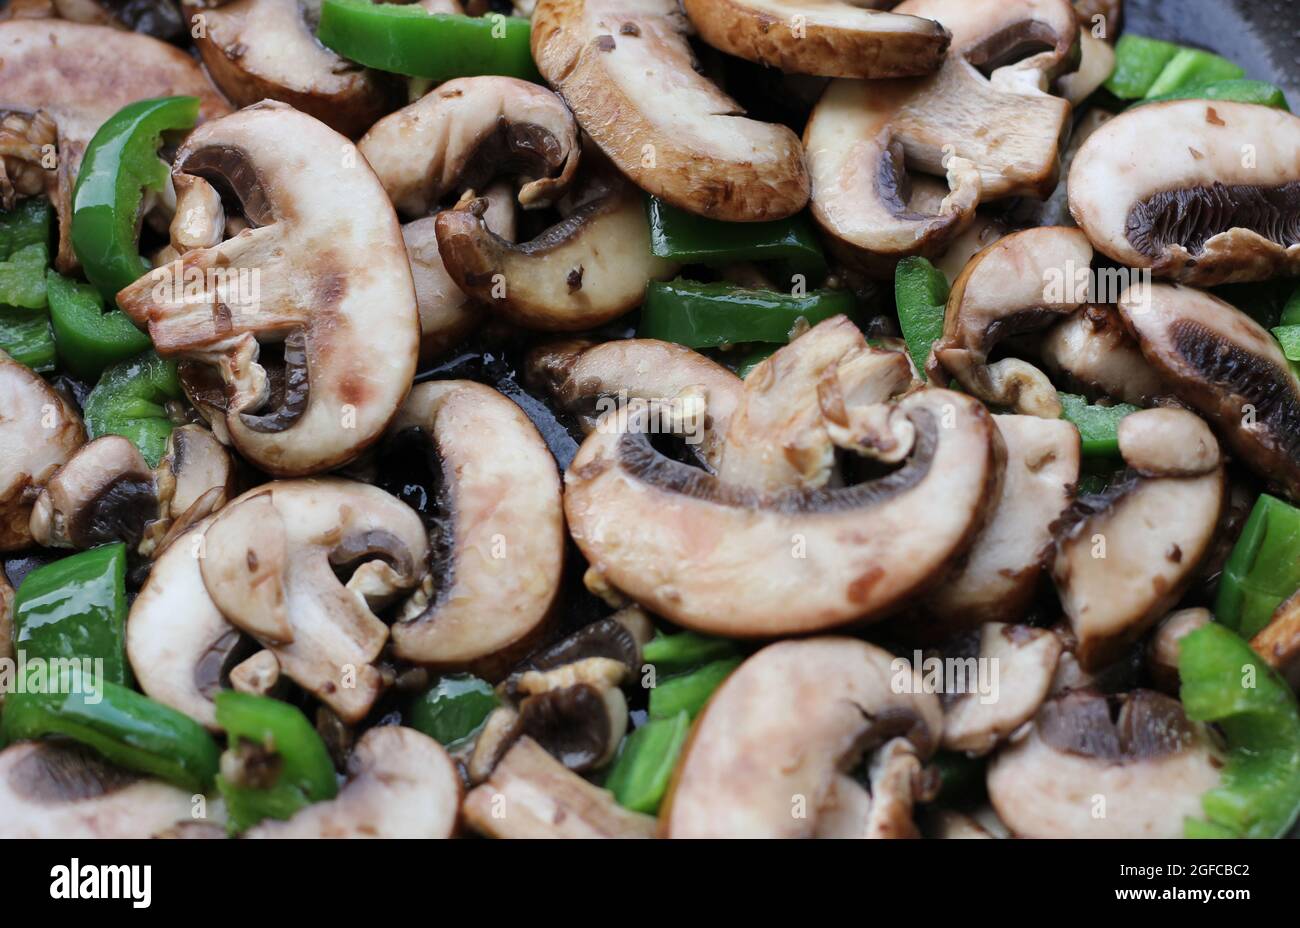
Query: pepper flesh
point(690, 691)
point(700, 315)
point(1098, 425)
point(89, 339)
point(1263, 569)
point(1238, 90)
point(453, 709)
point(690, 239)
point(129, 401)
point(921, 299)
point(641, 772)
point(24, 253)
point(26, 337)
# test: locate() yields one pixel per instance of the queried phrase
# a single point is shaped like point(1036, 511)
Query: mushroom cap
point(332, 282)
point(400, 784)
point(822, 701)
point(30, 451)
point(628, 75)
point(722, 559)
point(104, 493)
point(501, 533)
point(1093, 351)
point(828, 38)
point(266, 50)
point(1197, 209)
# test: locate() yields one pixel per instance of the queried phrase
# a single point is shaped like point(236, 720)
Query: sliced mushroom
point(1024, 661)
point(1018, 284)
point(333, 285)
point(723, 559)
point(629, 76)
point(1082, 773)
point(1093, 352)
point(824, 702)
point(6, 619)
point(1101, 16)
point(1097, 61)
point(39, 432)
point(1162, 649)
point(1201, 208)
point(1126, 555)
point(66, 791)
point(1001, 576)
point(79, 76)
point(609, 641)
point(532, 795)
point(270, 565)
point(828, 38)
point(194, 479)
point(1228, 368)
point(1278, 642)
point(400, 784)
point(258, 675)
point(500, 537)
point(980, 234)
point(579, 715)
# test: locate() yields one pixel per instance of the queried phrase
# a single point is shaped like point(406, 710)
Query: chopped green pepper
point(88, 338)
point(129, 729)
point(22, 277)
point(1191, 67)
point(1138, 63)
point(686, 651)
point(408, 39)
point(689, 692)
point(129, 401)
point(691, 239)
point(1288, 336)
point(640, 775)
point(26, 337)
point(711, 315)
point(1263, 569)
point(921, 298)
point(1098, 425)
point(1225, 682)
point(1237, 90)
point(28, 223)
point(298, 772)
point(454, 709)
point(120, 163)
point(76, 608)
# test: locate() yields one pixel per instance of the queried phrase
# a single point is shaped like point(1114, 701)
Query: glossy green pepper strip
point(22, 277)
point(305, 773)
point(1138, 63)
point(89, 339)
point(690, 239)
point(1098, 425)
point(120, 163)
point(453, 709)
point(26, 337)
point(76, 608)
point(1238, 90)
point(711, 315)
point(28, 223)
point(1225, 682)
point(1191, 67)
point(690, 691)
point(686, 651)
point(129, 729)
point(1263, 569)
point(921, 298)
point(408, 39)
point(129, 401)
point(1288, 336)
point(641, 772)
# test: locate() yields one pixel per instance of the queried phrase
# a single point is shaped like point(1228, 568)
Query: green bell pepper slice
point(28, 223)
point(641, 772)
point(685, 651)
point(712, 315)
point(75, 608)
point(1225, 682)
point(690, 239)
point(26, 337)
point(689, 692)
point(1263, 569)
point(1239, 90)
point(89, 339)
point(1098, 425)
point(408, 39)
point(1138, 63)
point(302, 775)
point(130, 399)
point(1191, 67)
point(453, 710)
point(921, 298)
point(120, 163)
point(1288, 336)
point(127, 728)
point(22, 277)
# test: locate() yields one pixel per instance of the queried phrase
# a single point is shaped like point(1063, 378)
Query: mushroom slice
point(6, 620)
point(469, 131)
point(99, 70)
point(1227, 367)
point(1163, 648)
point(1082, 773)
point(269, 566)
point(591, 267)
point(194, 479)
point(267, 50)
point(999, 579)
point(532, 795)
point(501, 529)
point(1126, 555)
point(1198, 209)
point(1025, 659)
point(1278, 642)
point(52, 790)
point(332, 283)
point(158, 18)
point(725, 560)
point(824, 701)
point(38, 434)
point(581, 724)
point(828, 38)
point(1097, 62)
point(104, 493)
point(629, 75)
point(592, 380)
point(1093, 351)
point(1020, 283)
point(400, 784)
